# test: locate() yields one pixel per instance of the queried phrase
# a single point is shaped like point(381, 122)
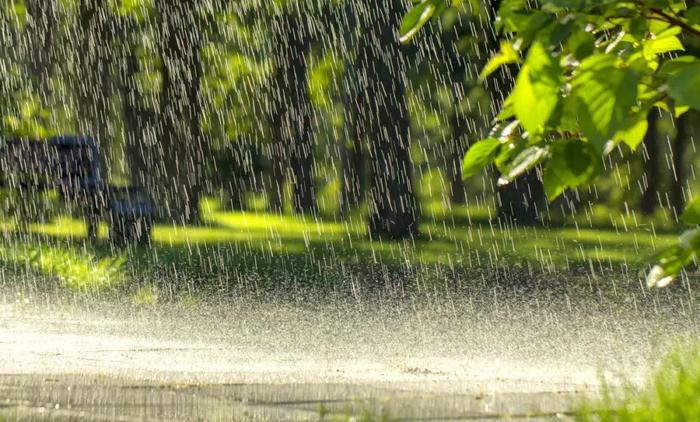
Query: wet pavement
point(79, 397)
point(276, 360)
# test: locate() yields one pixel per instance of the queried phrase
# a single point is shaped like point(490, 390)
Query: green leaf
point(692, 15)
point(507, 110)
point(507, 152)
point(553, 185)
point(573, 5)
point(573, 163)
point(536, 22)
point(691, 213)
point(684, 85)
point(479, 156)
point(536, 91)
point(604, 94)
point(414, 20)
point(672, 67)
point(506, 55)
point(511, 15)
point(633, 133)
point(678, 111)
point(581, 44)
point(664, 44)
point(523, 162)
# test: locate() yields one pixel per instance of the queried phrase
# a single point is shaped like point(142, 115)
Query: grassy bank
point(230, 243)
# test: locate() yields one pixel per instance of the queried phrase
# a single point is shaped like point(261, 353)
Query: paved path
point(80, 397)
point(278, 361)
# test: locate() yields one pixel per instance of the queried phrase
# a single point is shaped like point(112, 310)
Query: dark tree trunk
point(93, 74)
point(138, 124)
point(278, 161)
point(41, 32)
point(184, 148)
point(353, 178)
point(519, 202)
point(352, 182)
point(291, 116)
point(682, 138)
point(457, 147)
point(650, 155)
point(302, 149)
point(392, 204)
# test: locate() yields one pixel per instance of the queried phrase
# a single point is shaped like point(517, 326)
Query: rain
point(251, 210)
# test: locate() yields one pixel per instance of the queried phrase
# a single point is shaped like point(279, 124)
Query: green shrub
point(671, 394)
point(74, 268)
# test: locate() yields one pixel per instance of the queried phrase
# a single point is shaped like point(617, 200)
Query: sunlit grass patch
point(283, 225)
point(74, 268)
point(671, 394)
point(264, 244)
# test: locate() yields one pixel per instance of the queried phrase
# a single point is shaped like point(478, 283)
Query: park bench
point(71, 166)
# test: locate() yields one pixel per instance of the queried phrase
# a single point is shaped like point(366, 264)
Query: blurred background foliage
point(108, 69)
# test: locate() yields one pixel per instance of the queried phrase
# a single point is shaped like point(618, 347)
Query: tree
point(393, 211)
point(94, 31)
point(650, 180)
point(353, 178)
point(592, 70)
point(183, 147)
point(41, 46)
point(138, 118)
point(353, 156)
point(683, 137)
point(292, 111)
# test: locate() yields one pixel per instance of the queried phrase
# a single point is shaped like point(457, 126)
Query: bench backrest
point(68, 163)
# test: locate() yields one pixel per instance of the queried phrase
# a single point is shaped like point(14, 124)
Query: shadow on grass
point(270, 250)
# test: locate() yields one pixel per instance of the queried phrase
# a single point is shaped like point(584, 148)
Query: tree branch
point(677, 21)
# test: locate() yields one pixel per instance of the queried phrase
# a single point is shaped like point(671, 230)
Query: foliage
point(591, 71)
point(671, 394)
point(75, 269)
point(30, 120)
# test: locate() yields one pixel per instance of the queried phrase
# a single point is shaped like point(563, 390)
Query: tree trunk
point(682, 138)
point(457, 147)
point(352, 183)
point(393, 209)
point(92, 78)
point(519, 202)
point(650, 155)
point(302, 151)
point(183, 147)
point(40, 46)
point(138, 124)
point(278, 161)
point(292, 110)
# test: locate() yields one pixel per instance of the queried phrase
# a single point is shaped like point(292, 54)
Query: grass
point(244, 242)
point(671, 394)
point(76, 269)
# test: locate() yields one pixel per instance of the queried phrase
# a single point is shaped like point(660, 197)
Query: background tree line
point(309, 107)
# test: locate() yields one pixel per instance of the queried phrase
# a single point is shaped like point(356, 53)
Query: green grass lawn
point(244, 242)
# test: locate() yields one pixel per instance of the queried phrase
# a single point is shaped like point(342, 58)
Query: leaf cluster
point(590, 72)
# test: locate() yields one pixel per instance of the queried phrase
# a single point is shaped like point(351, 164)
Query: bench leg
point(92, 221)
